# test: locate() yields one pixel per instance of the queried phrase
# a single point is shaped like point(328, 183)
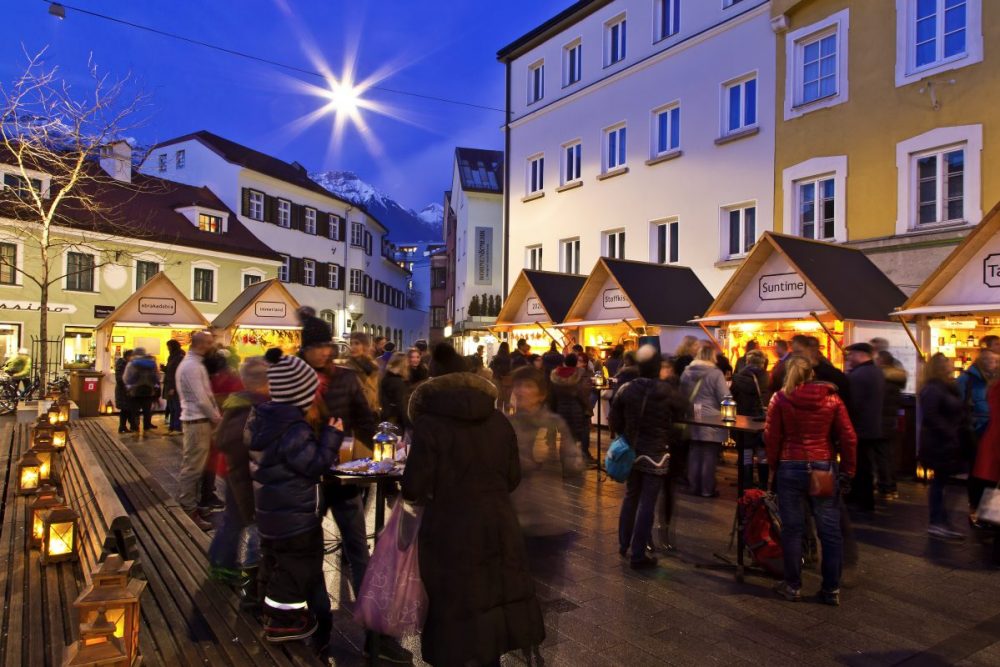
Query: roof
point(480, 170)
point(157, 302)
point(564, 19)
point(249, 296)
point(662, 294)
point(556, 291)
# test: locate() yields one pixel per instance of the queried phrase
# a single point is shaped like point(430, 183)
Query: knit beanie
point(291, 379)
point(314, 330)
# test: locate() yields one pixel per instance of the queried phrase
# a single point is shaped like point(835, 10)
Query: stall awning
point(596, 323)
point(949, 310)
point(761, 317)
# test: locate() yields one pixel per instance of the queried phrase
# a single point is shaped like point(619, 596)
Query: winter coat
point(517, 360)
point(463, 466)
point(942, 415)
point(824, 371)
point(229, 440)
point(393, 395)
point(367, 371)
point(170, 373)
point(121, 392)
point(749, 390)
point(866, 400)
point(142, 378)
point(895, 383)
point(708, 394)
point(569, 401)
point(417, 376)
point(224, 383)
point(799, 425)
point(287, 460)
point(987, 464)
point(974, 390)
point(645, 411)
point(681, 363)
point(500, 365)
point(551, 361)
point(343, 398)
point(777, 379)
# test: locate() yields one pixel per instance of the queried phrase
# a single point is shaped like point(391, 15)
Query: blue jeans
point(793, 494)
point(174, 410)
point(935, 497)
point(635, 523)
point(347, 507)
point(703, 457)
point(225, 547)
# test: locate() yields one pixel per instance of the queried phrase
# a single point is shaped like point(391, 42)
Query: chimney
point(116, 160)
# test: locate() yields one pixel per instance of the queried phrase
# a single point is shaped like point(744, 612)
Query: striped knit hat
point(291, 379)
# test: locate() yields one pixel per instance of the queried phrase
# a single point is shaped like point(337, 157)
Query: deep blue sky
point(442, 47)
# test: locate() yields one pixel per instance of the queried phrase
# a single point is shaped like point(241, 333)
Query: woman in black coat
point(462, 467)
point(569, 401)
point(749, 389)
point(122, 400)
point(942, 412)
point(393, 393)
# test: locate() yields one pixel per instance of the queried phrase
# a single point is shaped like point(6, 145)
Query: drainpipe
point(506, 185)
point(347, 268)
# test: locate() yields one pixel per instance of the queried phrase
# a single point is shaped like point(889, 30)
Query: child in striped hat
point(287, 462)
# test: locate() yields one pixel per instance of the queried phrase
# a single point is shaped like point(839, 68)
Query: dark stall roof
point(480, 170)
point(662, 294)
point(556, 291)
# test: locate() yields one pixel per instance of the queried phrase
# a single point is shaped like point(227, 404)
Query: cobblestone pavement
point(910, 601)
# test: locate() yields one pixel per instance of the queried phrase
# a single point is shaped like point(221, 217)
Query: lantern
point(727, 410)
point(29, 474)
point(97, 646)
point(53, 413)
point(59, 526)
point(970, 341)
point(600, 382)
point(42, 431)
point(384, 442)
point(48, 455)
point(64, 406)
point(60, 436)
point(47, 498)
point(109, 408)
point(116, 595)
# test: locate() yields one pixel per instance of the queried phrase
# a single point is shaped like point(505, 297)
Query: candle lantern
point(47, 498)
point(29, 474)
point(53, 413)
point(60, 436)
point(49, 457)
point(727, 410)
point(42, 430)
point(116, 595)
point(97, 646)
point(59, 526)
point(109, 408)
point(64, 406)
point(600, 382)
point(384, 442)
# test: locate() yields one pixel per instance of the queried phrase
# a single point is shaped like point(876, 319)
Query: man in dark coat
point(122, 400)
point(462, 467)
point(519, 357)
point(865, 408)
point(749, 390)
point(170, 387)
point(895, 383)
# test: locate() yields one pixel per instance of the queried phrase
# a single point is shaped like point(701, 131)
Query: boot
point(285, 625)
point(250, 591)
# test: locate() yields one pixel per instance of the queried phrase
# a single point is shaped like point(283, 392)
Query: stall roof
point(254, 294)
point(844, 279)
point(660, 294)
point(157, 302)
point(555, 291)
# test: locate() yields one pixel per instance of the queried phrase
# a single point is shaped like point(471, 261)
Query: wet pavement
point(910, 601)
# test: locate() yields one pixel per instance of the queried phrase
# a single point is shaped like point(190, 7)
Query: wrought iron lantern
point(48, 498)
point(59, 527)
point(727, 410)
point(97, 646)
point(29, 474)
point(116, 595)
point(384, 443)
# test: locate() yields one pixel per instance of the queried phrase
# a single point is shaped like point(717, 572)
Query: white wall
point(472, 210)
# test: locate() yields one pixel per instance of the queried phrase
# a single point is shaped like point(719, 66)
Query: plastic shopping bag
point(392, 600)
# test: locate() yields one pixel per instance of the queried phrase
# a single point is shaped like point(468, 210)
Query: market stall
point(538, 301)
point(261, 317)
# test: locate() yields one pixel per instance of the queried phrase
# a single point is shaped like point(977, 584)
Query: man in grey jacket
point(867, 383)
point(199, 414)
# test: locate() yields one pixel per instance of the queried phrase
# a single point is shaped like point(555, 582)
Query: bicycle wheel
point(8, 400)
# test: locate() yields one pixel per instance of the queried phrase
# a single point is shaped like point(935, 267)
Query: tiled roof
point(564, 19)
point(480, 170)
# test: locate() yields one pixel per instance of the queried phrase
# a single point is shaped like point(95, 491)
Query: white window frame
point(621, 160)
point(654, 133)
point(359, 274)
point(572, 173)
point(161, 162)
point(256, 202)
point(284, 214)
point(838, 24)
point(209, 266)
point(332, 276)
point(724, 228)
point(834, 166)
point(357, 230)
point(564, 266)
point(536, 82)
point(308, 272)
point(180, 158)
point(743, 126)
point(285, 269)
point(906, 70)
point(334, 222)
point(535, 174)
point(251, 272)
point(610, 42)
point(613, 243)
point(96, 287)
point(19, 263)
point(673, 20)
point(572, 54)
point(672, 225)
point(309, 220)
point(533, 257)
point(144, 257)
point(938, 139)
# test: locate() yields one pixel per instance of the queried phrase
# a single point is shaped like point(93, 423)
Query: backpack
point(621, 456)
point(757, 512)
point(145, 386)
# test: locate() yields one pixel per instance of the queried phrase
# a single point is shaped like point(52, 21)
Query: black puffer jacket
point(649, 430)
point(393, 396)
point(942, 413)
point(895, 383)
point(344, 398)
point(570, 403)
point(750, 396)
point(287, 460)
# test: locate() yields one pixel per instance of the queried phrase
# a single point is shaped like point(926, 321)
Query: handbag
point(989, 506)
point(620, 458)
point(822, 483)
point(392, 600)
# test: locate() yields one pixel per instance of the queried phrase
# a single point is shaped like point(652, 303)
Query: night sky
point(434, 47)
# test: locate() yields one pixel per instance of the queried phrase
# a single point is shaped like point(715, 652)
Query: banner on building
point(484, 255)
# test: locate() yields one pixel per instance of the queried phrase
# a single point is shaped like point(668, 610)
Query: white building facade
point(336, 257)
point(641, 130)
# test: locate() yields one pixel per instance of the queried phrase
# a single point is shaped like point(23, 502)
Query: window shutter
point(342, 234)
point(297, 213)
point(366, 283)
point(246, 202)
point(270, 209)
point(368, 243)
point(341, 282)
point(295, 270)
point(323, 224)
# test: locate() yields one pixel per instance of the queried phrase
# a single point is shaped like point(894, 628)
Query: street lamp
point(57, 10)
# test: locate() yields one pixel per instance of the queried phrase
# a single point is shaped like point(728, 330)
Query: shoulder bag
point(621, 456)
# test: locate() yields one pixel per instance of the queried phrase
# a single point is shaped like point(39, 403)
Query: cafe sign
point(991, 270)
point(781, 286)
point(152, 305)
point(534, 306)
point(615, 299)
point(269, 309)
point(35, 306)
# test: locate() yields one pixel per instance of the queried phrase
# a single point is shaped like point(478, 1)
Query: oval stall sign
point(534, 306)
point(151, 305)
point(614, 299)
point(781, 286)
point(269, 309)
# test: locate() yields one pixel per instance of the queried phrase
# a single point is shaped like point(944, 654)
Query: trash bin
point(85, 391)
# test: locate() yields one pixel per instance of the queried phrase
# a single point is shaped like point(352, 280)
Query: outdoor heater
point(59, 526)
point(115, 595)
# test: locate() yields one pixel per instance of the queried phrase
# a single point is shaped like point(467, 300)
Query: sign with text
point(781, 286)
point(269, 309)
point(991, 270)
point(152, 305)
point(100, 312)
point(484, 255)
point(36, 306)
point(534, 306)
point(614, 299)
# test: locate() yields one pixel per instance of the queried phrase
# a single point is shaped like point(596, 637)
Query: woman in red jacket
point(797, 432)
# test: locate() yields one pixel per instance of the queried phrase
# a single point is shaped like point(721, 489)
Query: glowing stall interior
point(537, 302)
point(261, 317)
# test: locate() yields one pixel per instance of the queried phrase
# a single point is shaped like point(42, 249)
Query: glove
point(844, 480)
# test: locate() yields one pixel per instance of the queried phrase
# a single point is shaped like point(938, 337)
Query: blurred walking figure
point(122, 400)
point(393, 392)
point(173, 416)
point(865, 406)
point(800, 420)
point(570, 401)
point(199, 415)
point(973, 387)
point(749, 390)
point(500, 365)
point(705, 386)
point(941, 417)
point(142, 381)
point(895, 383)
point(986, 469)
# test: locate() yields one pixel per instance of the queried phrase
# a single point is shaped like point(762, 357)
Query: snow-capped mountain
point(405, 224)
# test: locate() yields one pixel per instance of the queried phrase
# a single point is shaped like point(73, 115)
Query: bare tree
point(58, 199)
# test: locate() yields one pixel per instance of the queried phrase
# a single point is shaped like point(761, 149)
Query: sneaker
point(286, 625)
point(783, 590)
point(388, 650)
point(831, 598)
point(644, 563)
point(213, 502)
point(944, 531)
point(227, 575)
point(200, 521)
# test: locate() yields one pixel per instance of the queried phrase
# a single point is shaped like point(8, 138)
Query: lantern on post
point(97, 646)
point(727, 410)
point(59, 526)
point(116, 595)
point(384, 442)
point(47, 498)
point(49, 457)
point(29, 474)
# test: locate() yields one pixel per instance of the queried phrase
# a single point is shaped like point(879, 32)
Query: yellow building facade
point(886, 115)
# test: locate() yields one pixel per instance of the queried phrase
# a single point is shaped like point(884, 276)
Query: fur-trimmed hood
point(564, 376)
point(464, 396)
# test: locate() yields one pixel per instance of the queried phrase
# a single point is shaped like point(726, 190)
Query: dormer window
point(210, 223)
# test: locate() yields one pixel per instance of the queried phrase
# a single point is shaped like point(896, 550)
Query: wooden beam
point(913, 339)
point(711, 337)
point(829, 333)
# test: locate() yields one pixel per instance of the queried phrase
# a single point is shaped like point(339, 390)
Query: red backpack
point(758, 514)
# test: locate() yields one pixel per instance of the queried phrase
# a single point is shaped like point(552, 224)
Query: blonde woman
point(704, 385)
point(797, 432)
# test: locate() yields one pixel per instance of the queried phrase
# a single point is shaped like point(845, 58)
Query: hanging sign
point(36, 306)
point(484, 255)
point(534, 306)
point(269, 309)
point(781, 286)
point(152, 305)
point(100, 312)
point(991, 270)
point(614, 299)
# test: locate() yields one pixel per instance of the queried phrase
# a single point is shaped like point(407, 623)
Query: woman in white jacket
point(705, 386)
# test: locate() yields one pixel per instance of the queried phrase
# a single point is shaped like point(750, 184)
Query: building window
point(666, 130)
point(144, 271)
point(614, 41)
point(8, 263)
point(356, 281)
point(256, 205)
point(536, 82)
point(533, 260)
point(936, 35)
point(357, 235)
point(817, 209)
point(615, 146)
point(309, 272)
point(536, 174)
point(940, 186)
point(439, 276)
point(204, 285)
point(310, 221)
point(572, 162)
point(161, 162)
point(667, 17)
point(816, 70)
point(23, 187)
point(614, 244)
point(333, 276)
point(437, 317)
point(569, 256)
point(334, 228)
point(180, 157)
point(284, 213)
point(726, 4)
point(79, 272)
point(210, 223)
point(284, 270)
point(251, 279)
point(740, 105)
point(572, 63)
point(740, 231)
point(667, 242)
